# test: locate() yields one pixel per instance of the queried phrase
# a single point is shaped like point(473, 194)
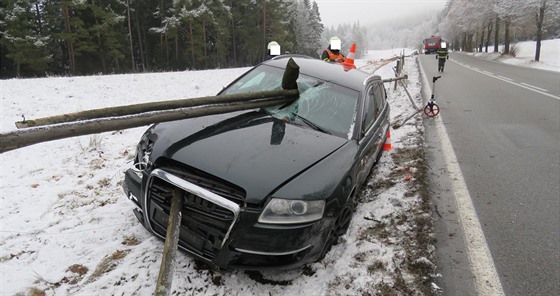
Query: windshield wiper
point(317, 83)
point(310, 123)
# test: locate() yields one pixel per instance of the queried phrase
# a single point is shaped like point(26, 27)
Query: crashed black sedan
point(268, 188)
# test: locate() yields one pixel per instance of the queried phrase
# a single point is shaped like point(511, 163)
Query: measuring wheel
point(431, 110)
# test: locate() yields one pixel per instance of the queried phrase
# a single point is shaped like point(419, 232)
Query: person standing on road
point(332, 53)
point(442, 55)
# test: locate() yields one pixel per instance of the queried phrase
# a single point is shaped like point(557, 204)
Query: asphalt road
point(503, 122)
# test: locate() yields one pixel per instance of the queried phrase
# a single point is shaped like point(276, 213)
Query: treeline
point(348, 34)
point(80, 37)
point(406, 31)
point(477, 24)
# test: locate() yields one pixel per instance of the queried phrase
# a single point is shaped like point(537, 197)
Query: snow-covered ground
point(525, 56)
point(66, 227)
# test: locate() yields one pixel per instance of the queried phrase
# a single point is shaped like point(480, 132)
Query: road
point(503, 123)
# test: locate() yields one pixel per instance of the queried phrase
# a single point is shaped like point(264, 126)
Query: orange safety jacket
point(333, 57)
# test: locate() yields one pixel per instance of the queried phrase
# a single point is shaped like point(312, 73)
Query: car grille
point(204, 225)
point(204, 180)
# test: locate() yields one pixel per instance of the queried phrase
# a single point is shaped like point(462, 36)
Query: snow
point(549, 58)
point(66, 227)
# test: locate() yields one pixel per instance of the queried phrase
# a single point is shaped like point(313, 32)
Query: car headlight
point(289, 211)
point(143, 153)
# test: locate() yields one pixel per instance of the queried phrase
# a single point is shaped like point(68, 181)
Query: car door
point(381, 118)
point(372, 126)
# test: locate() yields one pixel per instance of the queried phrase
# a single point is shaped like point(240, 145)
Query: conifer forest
point(84, 37)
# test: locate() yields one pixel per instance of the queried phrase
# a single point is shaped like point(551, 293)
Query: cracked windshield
point(324, 106)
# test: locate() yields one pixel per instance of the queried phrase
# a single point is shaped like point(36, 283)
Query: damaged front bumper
point(220, 232)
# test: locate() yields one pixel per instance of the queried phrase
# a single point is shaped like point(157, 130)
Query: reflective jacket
point(442, 54)
point(330, 56)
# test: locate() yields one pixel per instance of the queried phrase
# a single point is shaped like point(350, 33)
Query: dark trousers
point(441, 64)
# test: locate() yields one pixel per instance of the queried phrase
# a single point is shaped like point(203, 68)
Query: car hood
point(255, 151)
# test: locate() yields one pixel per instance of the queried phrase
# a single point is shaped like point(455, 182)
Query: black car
point(269, 188)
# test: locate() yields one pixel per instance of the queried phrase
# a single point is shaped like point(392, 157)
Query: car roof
point(333, 72)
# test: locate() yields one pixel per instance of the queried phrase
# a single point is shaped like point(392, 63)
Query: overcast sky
point(334, 12)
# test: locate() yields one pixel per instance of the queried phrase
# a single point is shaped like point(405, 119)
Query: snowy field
point(549, 58)
point(66, 227)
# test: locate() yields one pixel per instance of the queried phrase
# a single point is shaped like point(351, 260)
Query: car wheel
point(340, 227)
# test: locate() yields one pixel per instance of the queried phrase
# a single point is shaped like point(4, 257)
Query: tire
point(340, 227)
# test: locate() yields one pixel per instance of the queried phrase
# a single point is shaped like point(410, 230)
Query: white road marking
point(535, 87)
point(505, 78)
point(514, 83)
point(486, 279)
point(486, 72)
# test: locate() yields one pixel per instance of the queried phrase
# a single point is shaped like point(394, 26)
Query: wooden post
point(291, 73)
point(395, 79)
point(154, 106)
point(397, 73)
point(169, 258)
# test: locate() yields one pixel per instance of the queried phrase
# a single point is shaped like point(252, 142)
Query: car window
point(329, 106)
point(379, 98)
point(374, 104)
point(369, 109)
point(259, 79)
point(253, 82)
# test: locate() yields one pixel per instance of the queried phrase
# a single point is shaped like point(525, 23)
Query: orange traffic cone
point(388, 145)
point(349, 61)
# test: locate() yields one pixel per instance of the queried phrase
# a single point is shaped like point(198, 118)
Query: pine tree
point(275, 27)
point(316, 30)
point(22, 41)
point(108, 31)
point(247, 32)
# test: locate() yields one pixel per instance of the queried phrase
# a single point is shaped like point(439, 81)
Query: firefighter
point(442, 55)
point(332, 53)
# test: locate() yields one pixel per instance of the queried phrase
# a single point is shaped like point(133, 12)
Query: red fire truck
point(432, 44)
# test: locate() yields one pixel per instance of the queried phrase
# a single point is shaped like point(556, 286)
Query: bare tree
point(506, 10)
point(466, 18)
point(497, 33)
point(542, 13)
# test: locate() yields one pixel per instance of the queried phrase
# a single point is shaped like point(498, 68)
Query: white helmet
point(336, 43)
point(274, 48)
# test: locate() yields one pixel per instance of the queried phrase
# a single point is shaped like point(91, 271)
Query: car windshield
point(432, 40)
point(322, 105)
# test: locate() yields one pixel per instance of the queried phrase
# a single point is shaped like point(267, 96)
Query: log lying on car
point(153, 106)
point(34, 135)
point(124, 117)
